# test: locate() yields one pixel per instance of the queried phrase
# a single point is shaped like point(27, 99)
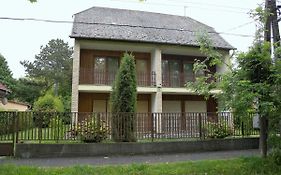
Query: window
point(171, 73)
point(105, 69)
point(188, 72)
point(141, 65)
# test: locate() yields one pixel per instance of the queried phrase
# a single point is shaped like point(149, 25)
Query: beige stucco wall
point(75, 77)
point(12, 106)
point(225, 67)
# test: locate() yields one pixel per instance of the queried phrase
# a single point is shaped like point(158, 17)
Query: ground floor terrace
point(147, 103)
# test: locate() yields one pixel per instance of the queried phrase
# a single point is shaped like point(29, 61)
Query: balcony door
point(105, 69)
point(143, 77)
point(188, 72)
point(171, 73)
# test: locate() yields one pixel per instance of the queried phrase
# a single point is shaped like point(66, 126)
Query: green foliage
point(123, 101)
point(92, 130)
point(6, 123)
point(219, 129)
point(251, 87)
point(44, 108)
point(275, 156)
point(6, 76)
point(29, 89)
point(53, 65)
point(48, 103)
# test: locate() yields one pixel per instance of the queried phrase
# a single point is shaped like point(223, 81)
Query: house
point(14, 106)
point(164, 47)
point(4, 92)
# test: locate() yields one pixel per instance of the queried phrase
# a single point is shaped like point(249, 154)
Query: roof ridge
point(123, 9)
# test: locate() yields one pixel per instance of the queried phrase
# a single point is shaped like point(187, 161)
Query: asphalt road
point(116, 160)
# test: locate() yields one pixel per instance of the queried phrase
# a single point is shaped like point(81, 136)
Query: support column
point(75, 77)
point(156, 98)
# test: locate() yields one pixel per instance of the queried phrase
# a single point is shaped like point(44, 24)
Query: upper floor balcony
point(176, 79)
point(102, 77)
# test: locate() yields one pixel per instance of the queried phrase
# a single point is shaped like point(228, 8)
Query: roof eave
point(151, 42)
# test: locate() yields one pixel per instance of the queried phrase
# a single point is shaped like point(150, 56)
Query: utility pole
point(271, 29)
point(263, 118)
point(275, 27)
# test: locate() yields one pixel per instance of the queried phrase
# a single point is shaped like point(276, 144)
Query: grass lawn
point(244, 166)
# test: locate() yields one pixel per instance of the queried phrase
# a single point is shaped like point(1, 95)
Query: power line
point(184, 5)
point(216, 5)
point(114, 24)
point(239, 26)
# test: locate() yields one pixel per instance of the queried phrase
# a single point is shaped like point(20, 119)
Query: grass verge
point(238, 166)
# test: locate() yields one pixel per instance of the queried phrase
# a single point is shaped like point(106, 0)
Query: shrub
point(44, 108)
point(218, 129)
point(91, 130)
point(123, 101)
point(275, 156)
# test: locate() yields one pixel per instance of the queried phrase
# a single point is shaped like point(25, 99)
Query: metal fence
point(96, 127)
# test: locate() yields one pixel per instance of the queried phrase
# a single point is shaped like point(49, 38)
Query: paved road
point(129, 159)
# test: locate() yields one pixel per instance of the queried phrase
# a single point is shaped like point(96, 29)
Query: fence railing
point(96, 127)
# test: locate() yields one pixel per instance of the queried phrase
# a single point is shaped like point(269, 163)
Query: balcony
point(101, 77)
point(176, 79)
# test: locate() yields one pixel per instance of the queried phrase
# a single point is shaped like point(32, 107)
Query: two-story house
point(164, 47)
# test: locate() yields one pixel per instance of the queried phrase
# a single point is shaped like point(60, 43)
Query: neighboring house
point(14, 106)
point(4, 92)
point(164, 47)
point(6, 105)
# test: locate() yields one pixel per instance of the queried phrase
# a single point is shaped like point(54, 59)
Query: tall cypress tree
point(123, 101)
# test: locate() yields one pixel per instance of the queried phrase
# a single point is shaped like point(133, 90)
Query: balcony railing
point(176, 79)
point(101, 77)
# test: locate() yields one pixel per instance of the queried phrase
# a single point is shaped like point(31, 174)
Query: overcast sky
point(21, 40)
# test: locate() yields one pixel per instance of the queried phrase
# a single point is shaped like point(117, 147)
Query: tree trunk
point(263, 135)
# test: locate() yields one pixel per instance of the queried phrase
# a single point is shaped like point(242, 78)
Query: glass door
point(174, 68)
point(188, 72)
point(142, 72)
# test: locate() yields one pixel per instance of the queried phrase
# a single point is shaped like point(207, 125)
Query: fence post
point(242, 128)
point(152, 126)
point(200, 126)
point(15, 132)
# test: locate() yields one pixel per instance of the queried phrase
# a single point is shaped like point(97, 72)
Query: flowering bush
point(218, 129)
point(91, 130)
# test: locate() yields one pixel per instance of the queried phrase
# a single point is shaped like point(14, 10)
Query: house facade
point(164, 47)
